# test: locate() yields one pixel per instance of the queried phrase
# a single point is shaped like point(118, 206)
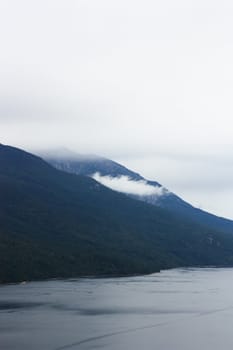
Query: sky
point(146, 83)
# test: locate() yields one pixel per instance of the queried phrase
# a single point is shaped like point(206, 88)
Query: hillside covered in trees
point(54, 224)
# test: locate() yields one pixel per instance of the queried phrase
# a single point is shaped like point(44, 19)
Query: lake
point(180, 309)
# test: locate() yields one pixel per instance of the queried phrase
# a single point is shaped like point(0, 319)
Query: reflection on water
point(181, 309)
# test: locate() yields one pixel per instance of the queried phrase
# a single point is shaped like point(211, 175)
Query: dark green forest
point(54, 225)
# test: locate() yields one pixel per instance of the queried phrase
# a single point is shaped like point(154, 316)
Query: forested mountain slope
point(55, 224)
point(89, 165)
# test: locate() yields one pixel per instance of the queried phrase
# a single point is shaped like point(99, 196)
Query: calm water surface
point(181, 309)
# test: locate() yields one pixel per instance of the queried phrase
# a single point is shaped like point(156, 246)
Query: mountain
point(56, 224)
point(89, 165)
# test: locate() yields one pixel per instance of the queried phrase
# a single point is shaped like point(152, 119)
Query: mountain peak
point(110, 169)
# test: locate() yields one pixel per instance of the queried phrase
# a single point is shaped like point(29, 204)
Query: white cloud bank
point(126, 185)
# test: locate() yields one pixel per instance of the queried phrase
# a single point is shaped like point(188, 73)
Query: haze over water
point(180, 309)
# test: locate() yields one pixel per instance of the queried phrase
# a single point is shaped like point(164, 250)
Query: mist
point(126, 185)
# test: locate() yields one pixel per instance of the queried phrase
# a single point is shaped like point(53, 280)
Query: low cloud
point(127, 185)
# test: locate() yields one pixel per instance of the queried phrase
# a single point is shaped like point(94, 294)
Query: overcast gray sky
point(148, 83)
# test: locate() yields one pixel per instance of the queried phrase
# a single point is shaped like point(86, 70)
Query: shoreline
point(109, 276)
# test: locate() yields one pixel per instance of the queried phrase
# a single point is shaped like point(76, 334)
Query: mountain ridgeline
point(88, 165)
point(55, 224)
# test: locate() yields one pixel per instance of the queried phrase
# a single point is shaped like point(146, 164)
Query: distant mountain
point(89, 165)
point(56, 224)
